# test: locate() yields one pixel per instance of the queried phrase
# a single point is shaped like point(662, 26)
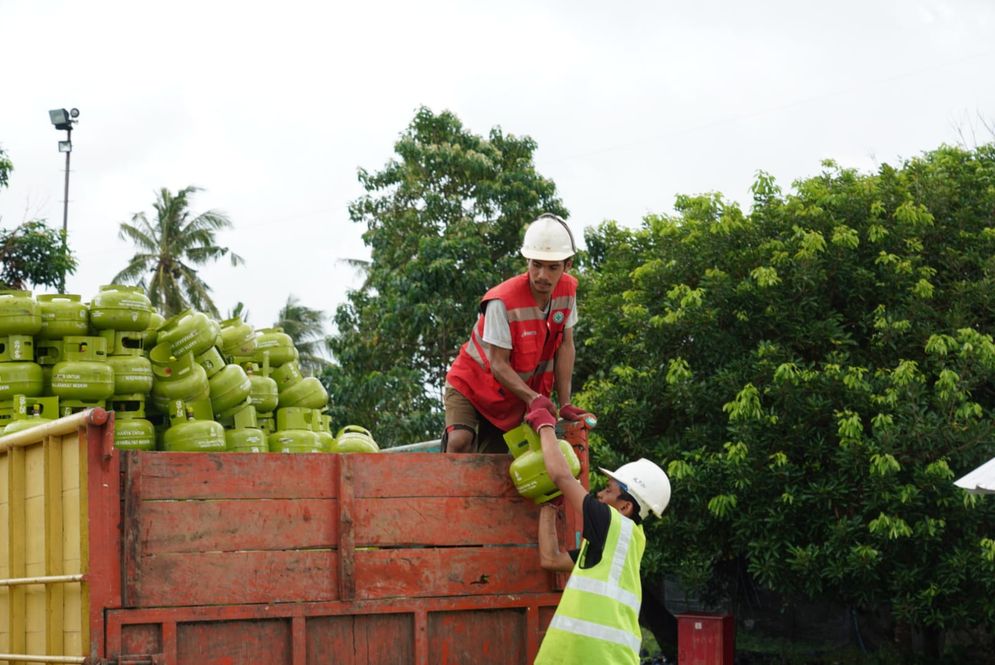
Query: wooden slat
point(237, 476)
point(347, 537)
point(451, 571)
point(54, 555)
point(223, 578)
point(446, 521)
point(495, 636)
point(234, 643)
point(131, 532)
point(385, 639)
point(16, 541)
point(250, 524)
point(433, 474)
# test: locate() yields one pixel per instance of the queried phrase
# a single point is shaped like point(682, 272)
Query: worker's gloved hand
point(571, 412)
point(542, 402)
point(539, 418)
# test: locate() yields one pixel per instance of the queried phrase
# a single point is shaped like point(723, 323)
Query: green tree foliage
point(6, 166)
point(32, 254)
point(444, 222)
point(306, 327)
point(813, 375)
point(170, 248)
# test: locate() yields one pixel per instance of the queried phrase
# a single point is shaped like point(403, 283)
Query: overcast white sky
point(272, 107)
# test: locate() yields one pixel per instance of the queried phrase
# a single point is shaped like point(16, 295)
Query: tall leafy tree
point(306, 327)
point(32, 253)
point(170, 249)
point(444, 221)
point(814, 375)
point(6, 166)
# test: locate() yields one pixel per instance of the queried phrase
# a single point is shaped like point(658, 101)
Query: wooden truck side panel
point(239, 558)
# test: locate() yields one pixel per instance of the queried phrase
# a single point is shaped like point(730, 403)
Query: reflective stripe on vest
point(535, 337)
point(610, 588)
point(596, 630)
point(597, 620)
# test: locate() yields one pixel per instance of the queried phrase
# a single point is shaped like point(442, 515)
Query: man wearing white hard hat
point(597, 620)
point(520, 348)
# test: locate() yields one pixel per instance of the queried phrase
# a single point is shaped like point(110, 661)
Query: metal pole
point(65, 208)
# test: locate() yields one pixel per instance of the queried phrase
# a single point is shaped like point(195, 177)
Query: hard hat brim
point(546, 256)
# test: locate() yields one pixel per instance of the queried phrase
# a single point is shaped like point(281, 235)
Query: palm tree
point(171, 248)
point(306, 327)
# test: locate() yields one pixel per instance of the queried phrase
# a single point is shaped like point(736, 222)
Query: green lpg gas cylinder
point(18, 347)
point(132, 375)
point(134, 434)
point(277, 343)
point(20, 378)
point(528, 470)
point(84, 375)
point(287, 375)
point(229, 389)
point(355, 439)
point(293, 433)
point(195, 436)
point(211, 361)
point(264, 394)
point(308, 393)
point(28, 412)
point(189, 331)
point(325, 435)
point(24, 423)
point(248, 440)
point(152, 331)
point(237, 338)
point(176, 378)
point(19, 313)
point(119, 307)
point(62, 315)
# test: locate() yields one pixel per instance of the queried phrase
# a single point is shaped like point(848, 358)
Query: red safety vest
point(535, 338)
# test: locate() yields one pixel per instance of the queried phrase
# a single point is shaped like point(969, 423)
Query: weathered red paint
point(299, 559)
point(103, 578)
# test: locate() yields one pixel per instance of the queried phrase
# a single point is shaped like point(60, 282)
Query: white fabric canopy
point(981, 480)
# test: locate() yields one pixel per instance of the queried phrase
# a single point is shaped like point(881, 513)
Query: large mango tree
point(813, 374)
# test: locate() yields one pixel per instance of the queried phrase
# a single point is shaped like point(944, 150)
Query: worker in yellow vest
point(597, 620)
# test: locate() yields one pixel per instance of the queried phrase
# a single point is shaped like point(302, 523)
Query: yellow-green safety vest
point(597, 620)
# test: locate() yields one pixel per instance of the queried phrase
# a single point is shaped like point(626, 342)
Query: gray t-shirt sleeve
point(497, 332)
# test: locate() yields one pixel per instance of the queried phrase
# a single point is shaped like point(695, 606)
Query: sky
point(273, 107)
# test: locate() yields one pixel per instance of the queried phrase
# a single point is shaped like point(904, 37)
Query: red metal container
point(705, 639)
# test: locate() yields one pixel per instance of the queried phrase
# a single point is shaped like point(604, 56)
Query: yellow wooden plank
point(34, 555)
point(72, 599)
point(54, 558)
point(4, 553)
point(84, 540)
point(16, 625)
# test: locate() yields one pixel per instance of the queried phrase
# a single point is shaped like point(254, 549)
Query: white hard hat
point(646, 482)
point(548, 238)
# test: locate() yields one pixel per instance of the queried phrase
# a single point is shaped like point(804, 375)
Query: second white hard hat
point(646, 482)
point(548, 238)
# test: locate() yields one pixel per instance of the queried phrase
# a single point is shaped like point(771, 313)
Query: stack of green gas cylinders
point(183, 384)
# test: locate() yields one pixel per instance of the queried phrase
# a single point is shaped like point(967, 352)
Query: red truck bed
point(223, 559)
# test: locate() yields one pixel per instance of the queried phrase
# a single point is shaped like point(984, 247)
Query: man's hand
point(539, 418)
point(571, 412)
point(542, 402)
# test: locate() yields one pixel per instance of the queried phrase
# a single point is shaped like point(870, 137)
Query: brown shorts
point(459, 411)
